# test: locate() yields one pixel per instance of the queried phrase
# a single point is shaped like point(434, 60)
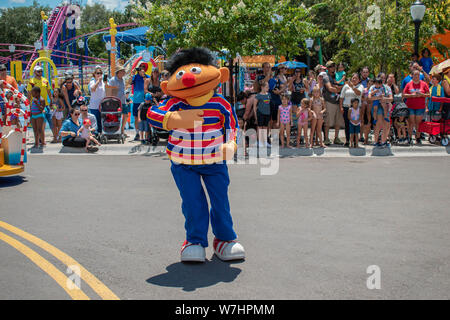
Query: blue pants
point(48, 117)
point(98, 117)
point(194, 203)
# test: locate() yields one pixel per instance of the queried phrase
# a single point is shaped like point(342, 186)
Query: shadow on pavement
point(191, 276)
point(358, 152)
point(35, 150)
point(6, 182)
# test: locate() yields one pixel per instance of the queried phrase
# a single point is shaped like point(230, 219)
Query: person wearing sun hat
point(119, 82)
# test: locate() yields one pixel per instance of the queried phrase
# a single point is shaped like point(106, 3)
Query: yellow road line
point(76, 293)
point(103, 291)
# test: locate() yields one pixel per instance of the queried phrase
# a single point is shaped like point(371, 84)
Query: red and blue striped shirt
point(200, 145)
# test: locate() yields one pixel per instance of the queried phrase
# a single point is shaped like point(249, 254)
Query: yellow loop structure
point(44, 59)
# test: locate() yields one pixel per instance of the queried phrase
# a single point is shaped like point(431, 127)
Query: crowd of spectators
point(305, 107)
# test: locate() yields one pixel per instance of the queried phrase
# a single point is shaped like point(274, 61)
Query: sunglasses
point(76, 113)
point(99, 73)
point(83, 110)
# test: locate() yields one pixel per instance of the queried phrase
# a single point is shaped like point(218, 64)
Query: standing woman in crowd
point(351, 90)
point(280, 88)
point(153, 81)
point(297, 85)
point(97, 89)
point(415, 92)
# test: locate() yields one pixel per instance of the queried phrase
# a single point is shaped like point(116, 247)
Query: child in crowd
point(57, 114)
point(239, 107)
point(318, 107)
point(436, 90)
point(354, 117)
point(14, 119)
point(401, 126)
point(285, 119)
point(304, 115)
point(380, 112)
point(340, 74)
point(144, 128)
point(37, 116)
point(129, 104)
point(261, 107)
point(85, 132)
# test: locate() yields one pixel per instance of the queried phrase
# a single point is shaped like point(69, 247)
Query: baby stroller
point(400, 109)
point(111, 118)
point(438, 125)
point(156, 134)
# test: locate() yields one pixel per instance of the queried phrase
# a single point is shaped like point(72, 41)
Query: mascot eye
point(196, 70)
point(180, 74)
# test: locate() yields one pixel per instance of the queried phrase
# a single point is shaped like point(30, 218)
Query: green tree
point(354, 36)
point(239, 26)
point(21, 25)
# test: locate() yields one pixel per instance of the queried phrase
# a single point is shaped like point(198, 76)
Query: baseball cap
point(322, 74)
point(148, 97)
point(37, 68)
point(87, 122)
point(330, 64)
point(3, 67)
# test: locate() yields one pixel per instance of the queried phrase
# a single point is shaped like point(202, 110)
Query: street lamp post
point(309, 45)
point(81, 46)
point(417, 13)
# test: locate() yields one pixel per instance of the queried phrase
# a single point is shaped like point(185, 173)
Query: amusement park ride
point(56, 52)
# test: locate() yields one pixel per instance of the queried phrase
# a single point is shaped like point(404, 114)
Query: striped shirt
point(200, 145)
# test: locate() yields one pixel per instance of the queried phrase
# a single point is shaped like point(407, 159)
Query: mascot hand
point(185, 119)
point(228, 150)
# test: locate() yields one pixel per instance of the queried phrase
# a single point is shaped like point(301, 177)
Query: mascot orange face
point(194, 81)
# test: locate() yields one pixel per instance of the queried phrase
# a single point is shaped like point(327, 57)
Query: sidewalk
point(131, 147)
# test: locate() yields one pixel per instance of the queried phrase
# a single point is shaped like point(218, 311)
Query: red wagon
point(438, 127)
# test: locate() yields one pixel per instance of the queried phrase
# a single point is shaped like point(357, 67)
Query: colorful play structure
point(56, 52)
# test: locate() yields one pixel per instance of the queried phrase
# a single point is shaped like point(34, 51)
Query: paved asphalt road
point(310, 231)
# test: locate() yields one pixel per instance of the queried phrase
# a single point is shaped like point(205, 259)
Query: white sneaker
point(192, 252)
point(228, 250)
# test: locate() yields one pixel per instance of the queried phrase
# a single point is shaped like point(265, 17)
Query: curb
point(160, 150)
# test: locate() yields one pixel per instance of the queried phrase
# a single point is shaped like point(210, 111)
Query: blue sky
point(110, 4)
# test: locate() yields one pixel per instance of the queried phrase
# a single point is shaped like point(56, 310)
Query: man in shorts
point(334, 117)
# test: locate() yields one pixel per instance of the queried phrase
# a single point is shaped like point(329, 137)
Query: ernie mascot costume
point(202, 136)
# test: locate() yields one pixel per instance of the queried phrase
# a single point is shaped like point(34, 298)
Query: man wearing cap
point(10, 80)
point(334, 113)
point(46, 94)
point(137, 83)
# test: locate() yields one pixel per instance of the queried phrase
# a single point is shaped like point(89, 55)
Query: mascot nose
point(188, 80)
